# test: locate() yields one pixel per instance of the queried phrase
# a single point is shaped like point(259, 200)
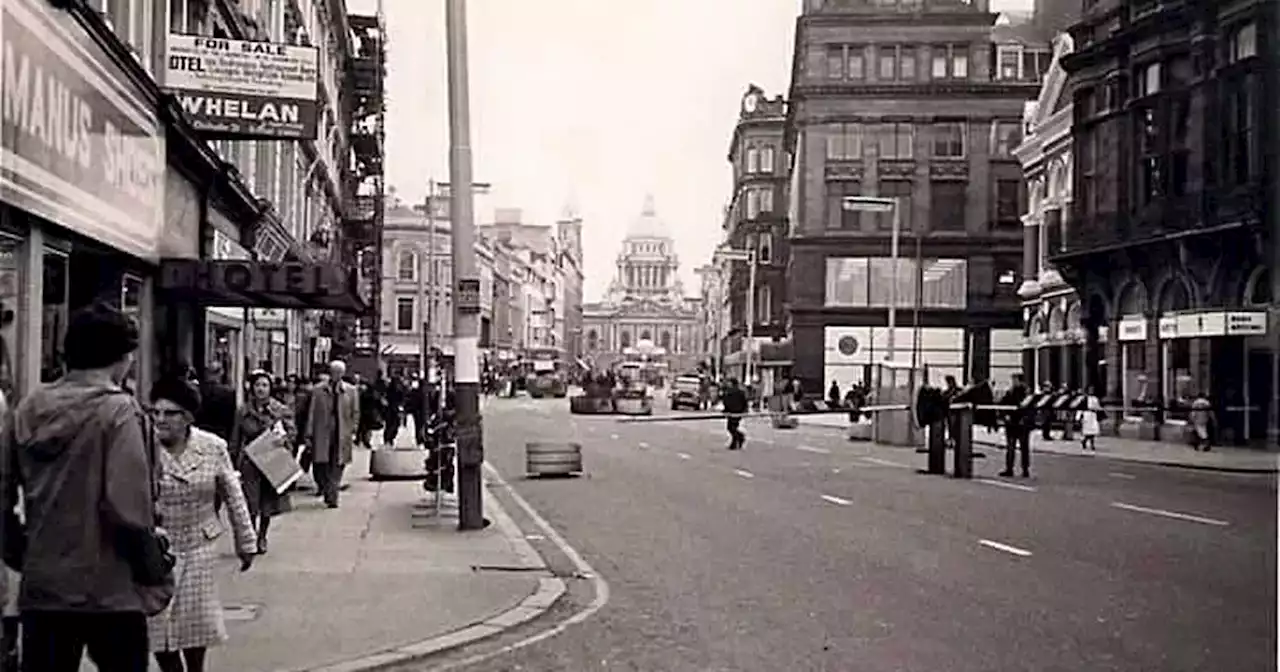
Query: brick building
point(1167, 241)
point(907, 100)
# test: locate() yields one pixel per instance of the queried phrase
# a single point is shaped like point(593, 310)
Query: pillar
point(27, 356)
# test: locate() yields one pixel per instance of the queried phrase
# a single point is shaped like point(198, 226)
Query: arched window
point(593, 340)
point(407, 265)
point(625, 339)
point(666, 340)
point(646, 335)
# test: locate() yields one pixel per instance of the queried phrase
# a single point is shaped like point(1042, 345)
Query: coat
point(1088, 416)
point(319, 430)
point(252, 421)
point(189, 484)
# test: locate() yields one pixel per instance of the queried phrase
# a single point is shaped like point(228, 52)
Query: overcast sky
point(593, 103)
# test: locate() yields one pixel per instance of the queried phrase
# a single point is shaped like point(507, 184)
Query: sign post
point(882, 205)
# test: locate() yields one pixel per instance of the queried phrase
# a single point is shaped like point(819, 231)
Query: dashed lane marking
point(1171, 514)
point(614, 437)
point(1012, 550)
point(685, 456)
point(886, 463)
point(837, 500)
point(811, 449)
point(644, 444)
point(1122, 476)
point(744, 473)
point(1006, 484)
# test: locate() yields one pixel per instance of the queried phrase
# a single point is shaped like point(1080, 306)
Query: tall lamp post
point(883, 205)
point(748, 256)
point(466, 303)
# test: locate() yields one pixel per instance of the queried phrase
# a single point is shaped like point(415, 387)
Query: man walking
point(734, 400)
point(76, 450)
point(330, 431)
point(1017, 428)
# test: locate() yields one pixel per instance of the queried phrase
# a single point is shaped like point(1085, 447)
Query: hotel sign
point(254, 277)
point(78, 144)
point(244, 89)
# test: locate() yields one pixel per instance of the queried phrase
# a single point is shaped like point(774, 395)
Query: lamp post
point(882, 205)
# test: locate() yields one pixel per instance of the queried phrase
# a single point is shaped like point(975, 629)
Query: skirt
point(194, 617)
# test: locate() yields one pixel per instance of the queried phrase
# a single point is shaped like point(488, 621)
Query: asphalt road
point(809, 553)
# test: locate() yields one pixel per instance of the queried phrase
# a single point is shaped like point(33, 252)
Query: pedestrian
point(218, 403)
point(1018, 426)
point(196, 468)
point(734, 401)
point(392, 410)
point(1089, 424)
point(1201, 417)
point(77, 451)
point(370, 397)
point(9, 582)
point(833, 394)
point(952, 394)
point(260, 413)
point(301, 406)
point(330, 431)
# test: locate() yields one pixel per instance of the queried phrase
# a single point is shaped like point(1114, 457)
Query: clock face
point(750, 103)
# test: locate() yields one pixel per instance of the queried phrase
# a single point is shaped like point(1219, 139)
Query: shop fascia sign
point(1212, 324)
point(244, 89)
point(78, 144)
point(256, 277)
point(1132, 328)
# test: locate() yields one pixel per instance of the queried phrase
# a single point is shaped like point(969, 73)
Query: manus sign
point(242, 89)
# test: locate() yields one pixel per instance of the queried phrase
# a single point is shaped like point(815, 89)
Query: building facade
point(645, 302)
point(905, 100)
point(1053, 347)
point(138, 210)
point(756, 222)
point(1170, 241)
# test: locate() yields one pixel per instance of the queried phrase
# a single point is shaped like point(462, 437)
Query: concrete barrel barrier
point(397, 464)
point(633, 406)
point(553, 459)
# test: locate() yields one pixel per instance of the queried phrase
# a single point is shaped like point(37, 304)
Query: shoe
point(262, 546)
point(331, 505)
point(1026, 474)
point(1006, 474)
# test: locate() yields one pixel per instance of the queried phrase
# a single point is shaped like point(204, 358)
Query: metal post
point(918, 280)
point(427, 266)
point(751, 316)
point(466, 325)
point(893, 286)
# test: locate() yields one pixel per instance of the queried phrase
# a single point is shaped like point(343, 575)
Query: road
point(807, 552)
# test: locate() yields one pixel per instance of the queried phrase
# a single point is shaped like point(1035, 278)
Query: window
point(766, 159)
point(766, 200)
point(861, 282)
point(948, 204)
point(1242, 43)
point(1009, 202)
point(624, 339)
point(753, 160)
point(888, 63)
point(1147, 80)
point(1150, 183)
point(948, 140)
point(764, 305)
point(895, 141)
point(765, 251)
point(901, 190)
point(665, 343)
point(1009, 62)
point(753, 204)
point(835, 62)
point(1240, 131)
point(844, 142)
point(1007, 137)
point(951, 61)
point(407, 265)
point(857, 65)
point(837, 217)
point(907, 64)
point(404, 313)
point(1035, 63)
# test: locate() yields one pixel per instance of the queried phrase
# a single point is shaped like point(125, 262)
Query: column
point(31, 313)
point(1030, 248)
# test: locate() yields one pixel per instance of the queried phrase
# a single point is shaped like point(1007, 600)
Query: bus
point(546, 375)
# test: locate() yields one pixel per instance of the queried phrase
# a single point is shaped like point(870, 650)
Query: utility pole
point(466, 294)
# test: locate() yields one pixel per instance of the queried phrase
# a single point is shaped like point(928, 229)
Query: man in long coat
point(330, 431)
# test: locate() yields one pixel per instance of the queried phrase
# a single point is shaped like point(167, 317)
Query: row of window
point(896, 62)
point(759, 201)
point(760, 160)
point(594, 342)
point(946, 140)
point(407, 268)
point(871, 282)
point(948, 203)
point(441, 315)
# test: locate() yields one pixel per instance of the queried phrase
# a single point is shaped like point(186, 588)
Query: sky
point(578, 103)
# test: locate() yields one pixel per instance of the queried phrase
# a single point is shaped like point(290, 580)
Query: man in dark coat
point(1017, 430)
point(734, 399)
point(218, 403)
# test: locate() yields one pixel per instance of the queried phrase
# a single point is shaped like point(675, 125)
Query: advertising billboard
point(243, 89)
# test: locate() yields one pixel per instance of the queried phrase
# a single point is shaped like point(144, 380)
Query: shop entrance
point(78, 275)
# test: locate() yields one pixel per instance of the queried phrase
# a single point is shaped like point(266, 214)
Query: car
point(686, 392)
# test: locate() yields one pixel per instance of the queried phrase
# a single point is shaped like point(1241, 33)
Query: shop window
point(57, 308)
point(10, 301)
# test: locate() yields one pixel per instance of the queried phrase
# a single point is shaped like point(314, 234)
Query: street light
point(883, 205)
point(748, 256)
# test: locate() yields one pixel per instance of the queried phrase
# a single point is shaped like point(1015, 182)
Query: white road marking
point(1170, 514)
point(684, 456)
point(614, 437)
point(534, 537)
point(584, 570)
point(1020, 552)
point(1006, 484)
point(886, 463)
point(837, 500)
point(811, 449)
point(1127, 477)
point(744, 473)
point(644, 444)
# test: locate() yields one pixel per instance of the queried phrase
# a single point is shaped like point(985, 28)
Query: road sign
point(868, 204)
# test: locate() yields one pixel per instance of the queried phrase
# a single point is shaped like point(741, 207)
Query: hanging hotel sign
point(78, 144)
point(243, 89)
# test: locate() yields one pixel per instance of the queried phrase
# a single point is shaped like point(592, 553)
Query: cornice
point(932, 17)
point(921, 90)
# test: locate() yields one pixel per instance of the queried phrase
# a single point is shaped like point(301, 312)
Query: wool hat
point(179, 391)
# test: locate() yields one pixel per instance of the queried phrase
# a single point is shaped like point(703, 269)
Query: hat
point(178, 391)
point(99, 336)
point(255, 374)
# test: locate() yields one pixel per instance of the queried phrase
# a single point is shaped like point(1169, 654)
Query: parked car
point(686, 392)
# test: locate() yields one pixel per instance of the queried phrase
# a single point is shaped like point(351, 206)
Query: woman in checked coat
point(195, 469)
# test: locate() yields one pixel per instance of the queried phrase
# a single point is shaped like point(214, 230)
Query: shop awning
point(261, 284)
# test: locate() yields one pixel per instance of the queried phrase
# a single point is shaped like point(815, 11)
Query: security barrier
point(553, 459)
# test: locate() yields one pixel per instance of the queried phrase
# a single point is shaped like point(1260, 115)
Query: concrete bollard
point(964, 443)
point(937, 448)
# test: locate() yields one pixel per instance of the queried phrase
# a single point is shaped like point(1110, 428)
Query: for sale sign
point(243, 89)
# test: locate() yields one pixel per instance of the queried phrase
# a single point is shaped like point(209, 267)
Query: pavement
point(374, 583)
point(1164, 453)
point(809, 552)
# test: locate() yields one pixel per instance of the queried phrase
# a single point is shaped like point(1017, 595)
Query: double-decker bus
point(546, 376)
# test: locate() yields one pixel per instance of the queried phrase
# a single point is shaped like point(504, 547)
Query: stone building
point(1170, 240)
point(645, 302)
point(907, 100)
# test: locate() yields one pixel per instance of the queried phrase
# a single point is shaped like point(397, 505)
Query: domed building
point(645, 307)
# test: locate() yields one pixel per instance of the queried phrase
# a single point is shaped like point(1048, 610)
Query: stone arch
point(1177, 293)
point(1057, 322)
point(646, 335)
point(1098, 312)
point(1073, 319)
point(1257, 290)
point(1132, 299)
point(1036, 325)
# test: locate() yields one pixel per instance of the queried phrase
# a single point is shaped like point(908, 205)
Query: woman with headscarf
point(195, 471)
point(259, 413)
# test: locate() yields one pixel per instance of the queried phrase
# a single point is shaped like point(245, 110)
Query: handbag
point(150, 553)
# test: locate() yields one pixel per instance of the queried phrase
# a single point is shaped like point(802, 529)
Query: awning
point(261, 284)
